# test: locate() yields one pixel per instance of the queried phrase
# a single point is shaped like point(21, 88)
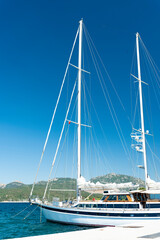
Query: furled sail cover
point(99, 186)
point(152, 185)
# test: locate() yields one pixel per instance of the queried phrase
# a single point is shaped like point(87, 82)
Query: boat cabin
point(140, 196)
point(143, 196)
point(136, 199)
point(133, 196)
point(116, 197)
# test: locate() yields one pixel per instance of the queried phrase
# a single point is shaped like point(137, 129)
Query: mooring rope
point(21, 211)
point(28, 214)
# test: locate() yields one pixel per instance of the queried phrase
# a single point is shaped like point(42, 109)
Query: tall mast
point(141, 111)
point(79, 106)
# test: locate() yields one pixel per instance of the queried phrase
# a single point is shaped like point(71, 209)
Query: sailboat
point(115, 208)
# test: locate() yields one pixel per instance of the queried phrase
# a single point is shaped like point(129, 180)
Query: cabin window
point(80, 205)
point(101, 205)
point(112, 198)
point(155, 196)
point(132, 205)
point(110, 205)
point(88, 205)
point(94, 205)
point(153, 205)
point(103, 198)
point(122, 205)
point(140, 197)
point(122, 198)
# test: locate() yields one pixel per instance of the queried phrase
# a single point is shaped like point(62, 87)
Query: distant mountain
point(18, 191)
point(15, 184)
point(117, 178)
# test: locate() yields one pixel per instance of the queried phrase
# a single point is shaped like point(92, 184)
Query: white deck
point(143, 230)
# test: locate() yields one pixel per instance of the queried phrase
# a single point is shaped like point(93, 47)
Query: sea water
point(23, 220)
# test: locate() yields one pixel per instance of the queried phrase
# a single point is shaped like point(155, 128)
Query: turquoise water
point(34, 224)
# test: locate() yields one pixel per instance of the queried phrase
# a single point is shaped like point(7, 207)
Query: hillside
point(117, 178)
point(17, 191)
point(15, 184)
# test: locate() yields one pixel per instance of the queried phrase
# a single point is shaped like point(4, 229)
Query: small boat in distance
point(115, 208)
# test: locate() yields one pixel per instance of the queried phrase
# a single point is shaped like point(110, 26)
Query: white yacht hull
point(91, 218)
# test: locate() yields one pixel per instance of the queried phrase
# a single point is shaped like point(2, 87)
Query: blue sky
point(35, 43)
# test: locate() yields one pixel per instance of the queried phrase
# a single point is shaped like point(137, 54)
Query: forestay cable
point(59, 140)
point(54, 114)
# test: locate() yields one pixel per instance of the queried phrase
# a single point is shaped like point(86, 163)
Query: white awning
point(152, 192)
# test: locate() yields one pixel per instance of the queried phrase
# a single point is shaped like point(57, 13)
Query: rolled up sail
point(90, 186)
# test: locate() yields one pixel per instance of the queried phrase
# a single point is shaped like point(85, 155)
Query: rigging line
point(136, 93)
point(86, 113)
point(147, 107)
point(111, 109)
point(93, 142)
point(150, 63)
point(66, 129)
point(156, 76)
point(64, 139)
point(154, 66)
point(109, 100)
point(85, 119)
point(152, 70)
point(74, 162)
point(120, 130)
point(74, 140)
point(149, 55)
point(89, 196)
point(54, 113)
point(134, 116)
point(66, 134)
point(91, 129)
point(153, 154)
point(74, 145)
point(103, 84)
point(68, 125)
point(59, 140)
point(93, 58)
point(88, 121)
point(152, 122)
point(95, 61)
point(132, 67)
point(99, 124)
point(107, 74)
point(98, 150)
point(30, 212)
point(88, 152)
point(21, 211)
